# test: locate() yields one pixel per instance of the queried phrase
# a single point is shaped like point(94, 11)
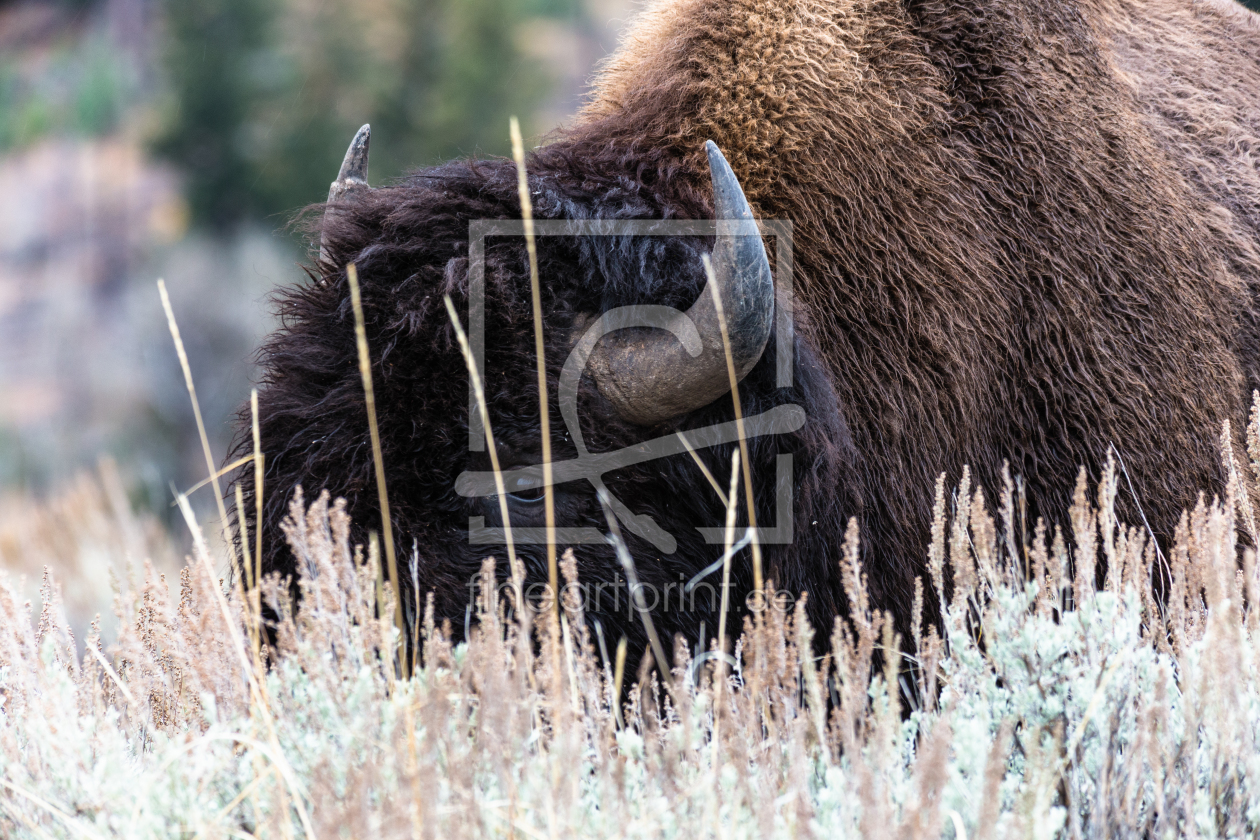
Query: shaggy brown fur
point(1024, 232)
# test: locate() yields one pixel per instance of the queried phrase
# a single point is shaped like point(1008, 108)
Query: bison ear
point(651, 376)
point(351, 180)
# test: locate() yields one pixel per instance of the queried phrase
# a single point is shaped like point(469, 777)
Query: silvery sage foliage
point(1044, 706)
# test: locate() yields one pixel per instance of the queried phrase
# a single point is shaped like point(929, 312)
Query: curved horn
point(351, 179)
point(648, 375)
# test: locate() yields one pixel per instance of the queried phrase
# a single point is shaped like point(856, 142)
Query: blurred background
point(175, 138)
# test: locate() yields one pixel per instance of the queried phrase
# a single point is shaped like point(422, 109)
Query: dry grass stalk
point(540, 358)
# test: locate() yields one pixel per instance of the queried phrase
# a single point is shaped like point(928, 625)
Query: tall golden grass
point(88, 534)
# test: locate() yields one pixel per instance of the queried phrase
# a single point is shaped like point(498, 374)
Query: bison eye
point(525, 490)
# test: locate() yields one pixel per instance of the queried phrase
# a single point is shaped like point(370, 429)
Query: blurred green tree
point(81, 87)
point(213, 51)
point(265, 94)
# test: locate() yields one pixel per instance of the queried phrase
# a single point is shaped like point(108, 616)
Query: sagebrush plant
point(1047, 706)
point(85, 533)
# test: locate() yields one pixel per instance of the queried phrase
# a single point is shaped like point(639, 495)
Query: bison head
point(634, 356)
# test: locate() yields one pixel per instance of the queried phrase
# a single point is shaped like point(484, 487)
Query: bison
point(1023, 233)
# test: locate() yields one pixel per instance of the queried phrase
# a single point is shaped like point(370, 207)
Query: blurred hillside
point(164, 138)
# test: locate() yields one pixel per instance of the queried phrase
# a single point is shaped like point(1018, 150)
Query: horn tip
point(354, 167)
point(714, 153)
point(728, 196)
